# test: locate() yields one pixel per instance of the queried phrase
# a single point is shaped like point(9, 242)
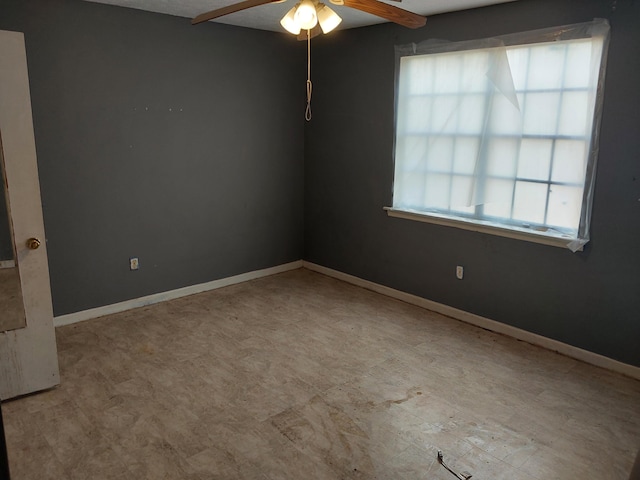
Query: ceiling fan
point(374, 7)
point(315, 17)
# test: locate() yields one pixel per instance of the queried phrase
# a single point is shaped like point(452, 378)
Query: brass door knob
point(33, 243)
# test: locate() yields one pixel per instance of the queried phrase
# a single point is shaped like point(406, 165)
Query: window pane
point(578, 64)
point(472, 109)
point(447, 72)
point(461, 193)
point(466, 154)
point(574, 120)
point(417, 115)
point(530, 202)
point(502, 155)
point(519, 60)
point(506, 119)
point(440, 154)
point(535, 159)
point(411, 154)
point(443, 119)
point(540, 113)
point(408, 190)
point(419, 74)
point(502, 193)
point(569, 162)
point(565, 204)
point(546, 67)
point(437, 191)
point(474, 65)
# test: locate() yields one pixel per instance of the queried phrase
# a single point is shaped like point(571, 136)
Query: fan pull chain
point(307, 113)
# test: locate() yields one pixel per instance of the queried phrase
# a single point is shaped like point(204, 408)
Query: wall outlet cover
point(134, 264)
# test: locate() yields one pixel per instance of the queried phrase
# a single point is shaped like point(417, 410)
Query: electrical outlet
point(459, 272)
point(134, 264)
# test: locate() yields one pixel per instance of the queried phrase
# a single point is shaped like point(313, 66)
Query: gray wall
point(181, 145)
point(590, 299)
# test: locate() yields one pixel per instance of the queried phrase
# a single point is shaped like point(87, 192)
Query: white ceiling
point(267, 17)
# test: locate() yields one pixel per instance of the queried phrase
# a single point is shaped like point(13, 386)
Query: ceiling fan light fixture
point(289, 21)
point(327, 18)
point(306, 16)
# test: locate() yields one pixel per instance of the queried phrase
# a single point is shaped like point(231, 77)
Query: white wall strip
point(7, 263)
point(482, 322)
point(170, 295)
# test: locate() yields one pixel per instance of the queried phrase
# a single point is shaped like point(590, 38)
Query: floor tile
point(299, 375)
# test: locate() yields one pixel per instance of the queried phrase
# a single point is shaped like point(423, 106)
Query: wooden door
point(28, 355)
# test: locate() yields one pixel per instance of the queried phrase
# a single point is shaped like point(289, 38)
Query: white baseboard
point(482, 322)
point(7, 263)
point(170, 295)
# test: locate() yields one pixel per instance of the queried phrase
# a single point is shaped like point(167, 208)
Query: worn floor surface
point(299, 376)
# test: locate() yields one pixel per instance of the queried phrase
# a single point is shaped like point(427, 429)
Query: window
point(500, 135)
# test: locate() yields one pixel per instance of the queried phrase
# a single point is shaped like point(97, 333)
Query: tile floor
point(300, 376)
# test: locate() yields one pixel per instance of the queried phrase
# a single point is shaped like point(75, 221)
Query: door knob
point(33, 243)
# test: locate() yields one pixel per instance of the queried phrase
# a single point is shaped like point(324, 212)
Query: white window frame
point(472, 221)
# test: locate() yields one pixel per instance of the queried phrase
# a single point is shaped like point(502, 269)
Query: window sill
point(516, 233)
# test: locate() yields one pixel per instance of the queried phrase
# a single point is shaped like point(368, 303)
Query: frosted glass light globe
point(306, 16)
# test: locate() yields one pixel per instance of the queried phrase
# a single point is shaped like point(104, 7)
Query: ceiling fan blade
point(236, 7)
point(315, 31)
point(391, 13)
